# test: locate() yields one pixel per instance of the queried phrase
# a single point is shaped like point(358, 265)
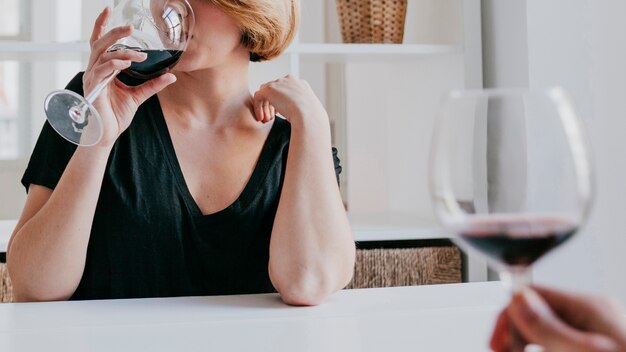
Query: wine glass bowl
point(510, 174)
point(161, 29)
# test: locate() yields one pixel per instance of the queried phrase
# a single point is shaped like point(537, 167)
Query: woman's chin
point(185, 66)
point(188, 63)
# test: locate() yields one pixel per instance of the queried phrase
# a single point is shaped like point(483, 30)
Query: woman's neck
point(216, 97)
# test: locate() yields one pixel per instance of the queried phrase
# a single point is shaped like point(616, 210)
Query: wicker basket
point(407, 267)
point(6, 292)
point(372, 21)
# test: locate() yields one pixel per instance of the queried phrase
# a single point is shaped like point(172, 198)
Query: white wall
point(505, 49)
point(390, 109)
point(581, 45)
point(390, 113)
point(606, 35)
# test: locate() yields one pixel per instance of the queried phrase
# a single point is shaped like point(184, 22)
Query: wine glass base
point(61, 109)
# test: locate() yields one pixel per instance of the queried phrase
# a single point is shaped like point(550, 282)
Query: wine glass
point(510, 175)
point(161, 29)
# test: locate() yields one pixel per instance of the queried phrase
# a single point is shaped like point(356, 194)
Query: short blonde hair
point(267, 26)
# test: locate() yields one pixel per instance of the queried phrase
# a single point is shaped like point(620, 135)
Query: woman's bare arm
point(46, 254)
point(311, 250)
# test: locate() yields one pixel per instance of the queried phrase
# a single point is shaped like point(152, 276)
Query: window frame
point(24, 23)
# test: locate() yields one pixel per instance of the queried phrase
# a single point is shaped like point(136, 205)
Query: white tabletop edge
point(360, 320)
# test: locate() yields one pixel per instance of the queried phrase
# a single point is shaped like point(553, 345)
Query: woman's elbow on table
point(309, 289)
point(28, 296)
point(298, 288)
point(24, 289)
point(301, 295)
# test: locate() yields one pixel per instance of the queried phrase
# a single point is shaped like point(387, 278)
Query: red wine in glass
point(516, 241)
point(157, 63)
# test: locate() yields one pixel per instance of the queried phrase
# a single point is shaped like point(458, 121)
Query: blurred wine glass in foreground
point(510, 175)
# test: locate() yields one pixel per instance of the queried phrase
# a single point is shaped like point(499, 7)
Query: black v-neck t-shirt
point(149, 237)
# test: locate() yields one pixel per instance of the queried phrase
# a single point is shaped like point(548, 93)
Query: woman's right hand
point(560, 321)
point(117, 103)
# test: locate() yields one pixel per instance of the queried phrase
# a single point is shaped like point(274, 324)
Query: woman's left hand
point(291, 97)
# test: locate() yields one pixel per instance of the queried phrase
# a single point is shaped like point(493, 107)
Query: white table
point(6, 229)
point(426, 318)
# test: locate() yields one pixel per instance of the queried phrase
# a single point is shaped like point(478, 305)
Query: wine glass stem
point(78, 112)
point(98, 89)
point(515, 281)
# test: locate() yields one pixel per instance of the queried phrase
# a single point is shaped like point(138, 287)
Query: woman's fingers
point(585, 312)
point(260, 113)
point(568, 305)
point(290, 97)
point(267, 112)
point(99, 25)
point(144, 91)
point(259, 109)
point(109, 38)
point(115, 60)
point(101, 71)
point(500, 339)
point(96, 33)
point(100, 46)
point(130, 55)
point(536, 321)
point(264, 110)
point(588, 313)
point(538, 324)
point(272, 111)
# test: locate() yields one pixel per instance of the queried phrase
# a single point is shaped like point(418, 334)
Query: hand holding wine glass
point(116, 103)
point(142, 38)
point(560, 321)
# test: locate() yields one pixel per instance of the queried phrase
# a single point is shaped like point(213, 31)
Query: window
point(9, 18)
point(11, 28)
point(9, 99)
point(28, 70)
